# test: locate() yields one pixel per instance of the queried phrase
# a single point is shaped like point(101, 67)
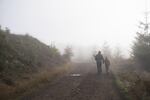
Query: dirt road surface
point(79, 84)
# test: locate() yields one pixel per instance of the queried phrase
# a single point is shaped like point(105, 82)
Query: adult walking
point(99, 60)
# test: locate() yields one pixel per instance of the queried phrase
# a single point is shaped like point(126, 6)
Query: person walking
point(107, 64)
point(99, 60)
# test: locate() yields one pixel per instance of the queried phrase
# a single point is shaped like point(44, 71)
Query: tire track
point(94, 87)
point(88, 86)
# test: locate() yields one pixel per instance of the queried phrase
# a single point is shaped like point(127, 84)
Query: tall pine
point(141, 46)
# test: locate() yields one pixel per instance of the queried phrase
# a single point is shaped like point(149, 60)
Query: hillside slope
point(21, 54)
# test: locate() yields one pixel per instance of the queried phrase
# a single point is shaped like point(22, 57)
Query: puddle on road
point(75, 75)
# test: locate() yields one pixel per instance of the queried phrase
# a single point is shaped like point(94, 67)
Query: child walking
point(107, 64)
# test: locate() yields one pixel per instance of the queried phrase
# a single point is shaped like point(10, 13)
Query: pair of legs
point(107, 68)
point(99, 67)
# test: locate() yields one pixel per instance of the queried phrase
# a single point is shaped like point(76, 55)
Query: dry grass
point(30, 84)
point(134, 85)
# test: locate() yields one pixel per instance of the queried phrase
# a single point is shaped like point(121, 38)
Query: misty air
point(74, 49)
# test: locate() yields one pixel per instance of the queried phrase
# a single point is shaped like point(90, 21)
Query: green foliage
point(122, 88)
point(141, 50)
point(134, 85)
point(21, 54)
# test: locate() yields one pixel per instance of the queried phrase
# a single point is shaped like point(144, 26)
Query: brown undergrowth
point(134, 85)
point(31, 83)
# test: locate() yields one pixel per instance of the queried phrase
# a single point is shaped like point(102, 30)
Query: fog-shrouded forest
point(75, 57)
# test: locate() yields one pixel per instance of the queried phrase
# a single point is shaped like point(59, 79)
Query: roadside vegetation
point(133, 74)
point(134, 84)
point(26, 63)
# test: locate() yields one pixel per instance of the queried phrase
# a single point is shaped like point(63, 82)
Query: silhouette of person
point(107, 64)
point(99, 60)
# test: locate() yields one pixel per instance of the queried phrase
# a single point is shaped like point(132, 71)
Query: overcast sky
point(75, 22)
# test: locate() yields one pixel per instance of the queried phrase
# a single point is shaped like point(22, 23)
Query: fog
point(50, 49)
point(81, 24)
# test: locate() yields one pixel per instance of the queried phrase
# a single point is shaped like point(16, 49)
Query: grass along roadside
point(34, 83)
point(121, 88)
point(133, 86)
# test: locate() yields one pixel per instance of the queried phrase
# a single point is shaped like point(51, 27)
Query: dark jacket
point(99, 58)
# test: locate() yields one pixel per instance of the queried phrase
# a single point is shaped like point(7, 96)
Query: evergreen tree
point(141, 47)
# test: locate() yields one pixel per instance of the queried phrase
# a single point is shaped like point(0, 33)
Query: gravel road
point(78, 85)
